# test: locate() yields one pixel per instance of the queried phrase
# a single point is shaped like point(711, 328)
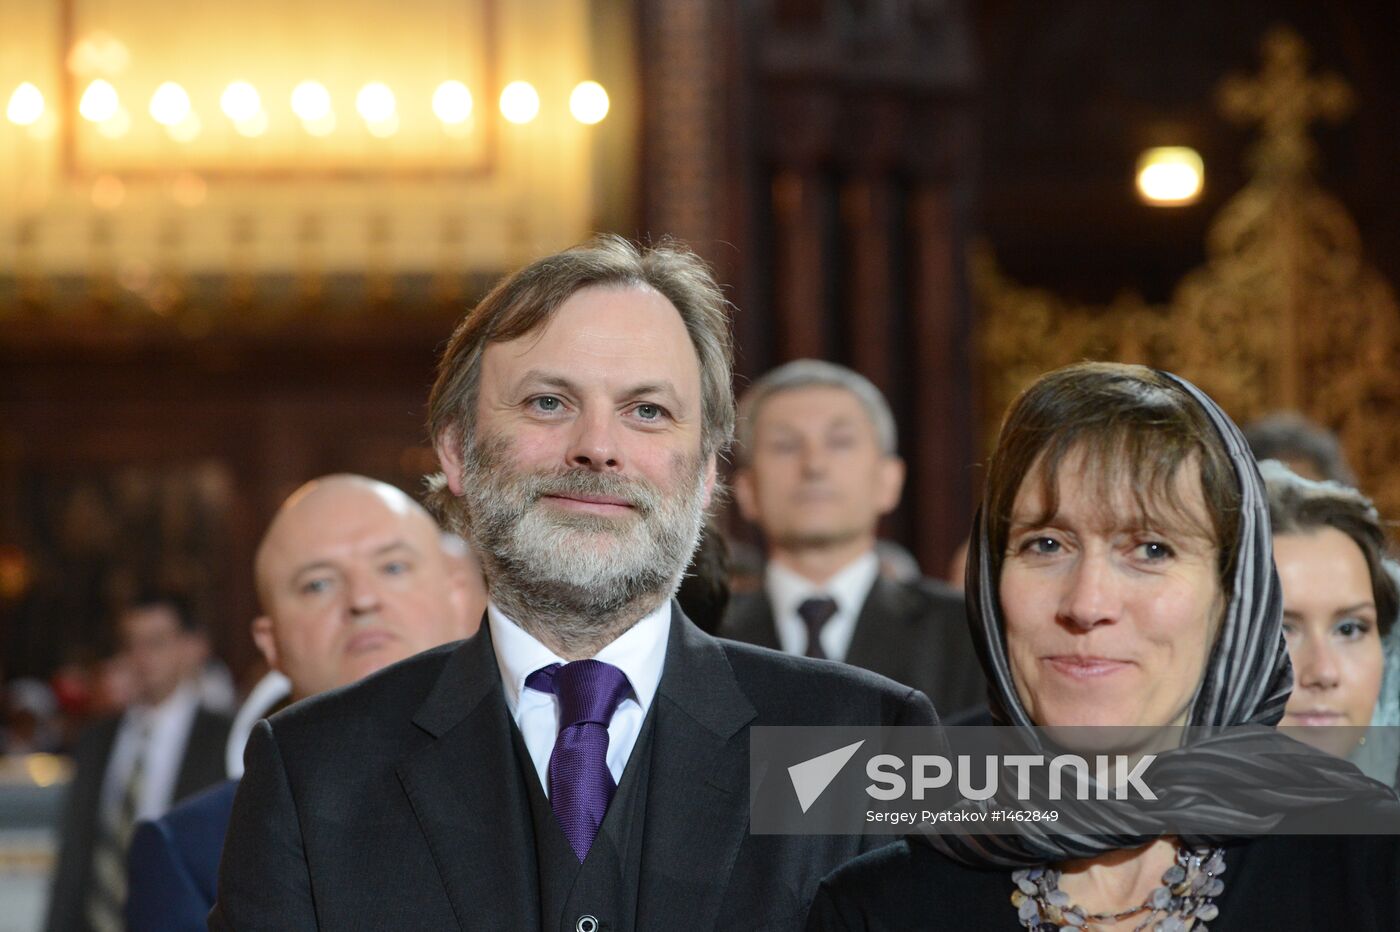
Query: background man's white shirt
point(849, 587)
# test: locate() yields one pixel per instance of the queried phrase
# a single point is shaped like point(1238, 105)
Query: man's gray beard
point(577, 581)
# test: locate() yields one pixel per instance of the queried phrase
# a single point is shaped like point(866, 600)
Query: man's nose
point(363, 591)
point(594, 442)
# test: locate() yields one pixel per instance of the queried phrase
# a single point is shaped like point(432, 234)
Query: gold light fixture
point(452, 103)
point(520, 102)
point(170, 105)
point(99, 102)
point(589, 103)
point(1170, 176)
point(26, 105)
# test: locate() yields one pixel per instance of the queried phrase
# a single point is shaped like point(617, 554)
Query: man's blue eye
point(547, 403)
point(648, 412)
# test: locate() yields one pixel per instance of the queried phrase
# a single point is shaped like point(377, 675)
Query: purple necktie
point(580, 784)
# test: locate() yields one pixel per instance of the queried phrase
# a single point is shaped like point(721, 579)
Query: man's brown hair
point(528, 300)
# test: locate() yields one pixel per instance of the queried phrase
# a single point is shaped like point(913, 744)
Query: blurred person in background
point(817, 470)
point(704, 591)
point(134, 764)
point(1308, 449)
point(1339, 606)
point(352, 575)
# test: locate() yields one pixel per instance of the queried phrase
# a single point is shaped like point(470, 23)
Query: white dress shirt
point(640, 653)
point(849, 587)
point(167, 730)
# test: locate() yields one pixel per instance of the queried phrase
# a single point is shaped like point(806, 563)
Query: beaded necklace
point(1188, 891)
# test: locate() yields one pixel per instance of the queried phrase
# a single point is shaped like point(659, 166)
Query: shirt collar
point(639, 652)
point(849, 587)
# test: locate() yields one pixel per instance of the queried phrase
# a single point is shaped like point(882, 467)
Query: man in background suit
point(161, 749)
point(583, 762)
point(352, 575)
point(818, 468)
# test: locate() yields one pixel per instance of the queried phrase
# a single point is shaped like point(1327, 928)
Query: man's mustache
point(640, 495)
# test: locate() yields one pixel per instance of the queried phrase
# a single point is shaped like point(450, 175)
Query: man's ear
point(711, 477)
point(746, 494)
point(267, 644)
point(891, 481)
point(449, 453)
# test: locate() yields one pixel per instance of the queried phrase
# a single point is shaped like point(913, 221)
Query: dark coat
point(399, 802)
point(914, 634)
point(202, 766)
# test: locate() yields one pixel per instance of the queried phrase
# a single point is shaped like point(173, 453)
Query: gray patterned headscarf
point(1247, 681)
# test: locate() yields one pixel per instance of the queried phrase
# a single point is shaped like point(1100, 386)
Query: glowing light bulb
point(520, 103)
point(452, 102)
point(375, 102)
point(1170, 176)
point(99, 102)
point(589, 103)
point(311, 101)
point(240, 102)
point(170, 105)
point(26, 105)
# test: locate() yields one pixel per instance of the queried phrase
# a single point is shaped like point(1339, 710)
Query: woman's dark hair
point(1123, 423)
point(1302, 506)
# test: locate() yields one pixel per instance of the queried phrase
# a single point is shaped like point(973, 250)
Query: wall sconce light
point(1170, 176)
point(26, 105)
point(520, 102)
point(589, 103)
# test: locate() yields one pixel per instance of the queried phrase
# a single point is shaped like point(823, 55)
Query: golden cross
point(1284, 100)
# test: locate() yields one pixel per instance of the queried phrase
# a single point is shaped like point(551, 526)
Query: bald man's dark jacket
point(403, 802)
point(913, 633)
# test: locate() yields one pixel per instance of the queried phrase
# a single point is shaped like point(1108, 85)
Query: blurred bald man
point(352, 575)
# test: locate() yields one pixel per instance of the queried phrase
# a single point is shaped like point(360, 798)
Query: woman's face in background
point(1330, 625)
point(1109, 614)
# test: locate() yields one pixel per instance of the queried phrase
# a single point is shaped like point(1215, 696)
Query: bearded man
point(583, 762)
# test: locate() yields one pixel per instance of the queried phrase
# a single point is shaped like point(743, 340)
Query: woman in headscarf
point(1339, 608)
point(1121, 574)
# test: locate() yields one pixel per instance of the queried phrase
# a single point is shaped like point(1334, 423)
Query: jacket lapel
point(750, 619)
point(469, 799)
point(882, 641)
point(698, 800)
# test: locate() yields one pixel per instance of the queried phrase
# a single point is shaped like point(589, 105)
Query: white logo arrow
point(811, 777)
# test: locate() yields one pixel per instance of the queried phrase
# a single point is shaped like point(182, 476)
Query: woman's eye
point(315, 586)
point(396, 568)
point(1155, 550)
point(1353, 629)
point(1289, 630)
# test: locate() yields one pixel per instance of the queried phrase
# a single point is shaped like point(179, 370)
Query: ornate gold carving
point(1286, 313)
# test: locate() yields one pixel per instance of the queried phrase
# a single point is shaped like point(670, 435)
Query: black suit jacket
point(203, 765)
point(399, 803)
point(914, 634)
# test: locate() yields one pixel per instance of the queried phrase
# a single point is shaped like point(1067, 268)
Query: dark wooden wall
point(826, 168)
